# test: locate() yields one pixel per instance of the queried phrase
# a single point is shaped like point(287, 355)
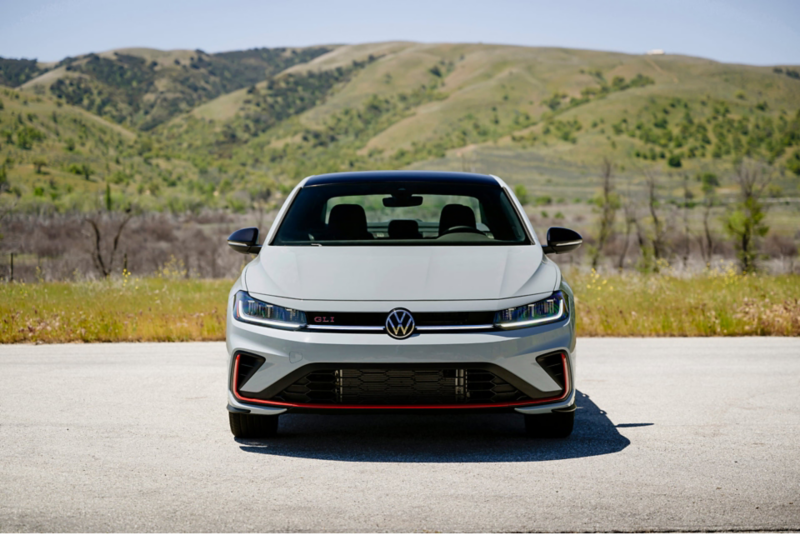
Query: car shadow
point(438, 438)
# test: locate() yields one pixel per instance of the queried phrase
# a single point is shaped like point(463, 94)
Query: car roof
point(401, 176)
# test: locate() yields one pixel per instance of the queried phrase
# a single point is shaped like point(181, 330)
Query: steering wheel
point(463, 229)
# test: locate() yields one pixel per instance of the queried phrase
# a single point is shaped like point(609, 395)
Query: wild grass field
point(718, 303)
point(184, 130)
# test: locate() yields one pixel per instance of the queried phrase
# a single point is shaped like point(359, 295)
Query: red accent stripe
point(400, 406)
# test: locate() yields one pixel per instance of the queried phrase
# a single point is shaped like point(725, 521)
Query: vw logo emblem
point(400, 323)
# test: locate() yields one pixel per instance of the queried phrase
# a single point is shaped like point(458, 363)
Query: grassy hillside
point(142, 87)
point(183, 130)
point(15, 72)
point(414, 103)
point(60, 158)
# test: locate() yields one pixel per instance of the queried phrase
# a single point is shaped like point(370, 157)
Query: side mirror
point(245, 241)
point(560, 240)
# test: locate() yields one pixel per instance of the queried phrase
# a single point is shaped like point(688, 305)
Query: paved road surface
point(686, 434)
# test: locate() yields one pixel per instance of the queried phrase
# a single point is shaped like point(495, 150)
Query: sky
point(763, 32)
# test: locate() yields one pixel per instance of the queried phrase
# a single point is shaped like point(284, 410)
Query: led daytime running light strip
point(242, 316)
point(532, 322)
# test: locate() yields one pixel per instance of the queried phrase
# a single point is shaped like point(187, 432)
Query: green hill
point(184, 129)
point(446, 106)
point(142, 87)
point(15, 72)
point(57, 157)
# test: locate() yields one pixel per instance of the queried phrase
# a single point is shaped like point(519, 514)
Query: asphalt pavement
point(671, 434)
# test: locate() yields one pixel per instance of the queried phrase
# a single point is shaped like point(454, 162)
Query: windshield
point(401, 214)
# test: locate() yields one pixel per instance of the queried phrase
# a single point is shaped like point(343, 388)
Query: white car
point(401, 291)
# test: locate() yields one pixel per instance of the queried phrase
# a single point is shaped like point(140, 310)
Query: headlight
point(548, 310)
point(249, 310)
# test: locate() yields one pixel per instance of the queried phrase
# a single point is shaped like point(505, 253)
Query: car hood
point(401, 273)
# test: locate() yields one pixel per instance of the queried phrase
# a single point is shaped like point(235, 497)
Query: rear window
point(401, 214)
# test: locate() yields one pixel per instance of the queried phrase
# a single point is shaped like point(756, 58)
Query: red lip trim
point(401, 406)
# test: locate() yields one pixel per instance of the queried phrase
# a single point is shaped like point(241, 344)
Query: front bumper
point(513, 353)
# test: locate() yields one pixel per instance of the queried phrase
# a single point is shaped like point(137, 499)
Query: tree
point(109, 202)
point(110, 223)
point(86, 171)
point(793, 163)
point(745, 222)
point(39, 163)
point(522, 194)
point(710, 182)
point(4, 185)
point(608, 204)
point(651, 181)
point(630, 213)
point(687, 204)
point(260, 197)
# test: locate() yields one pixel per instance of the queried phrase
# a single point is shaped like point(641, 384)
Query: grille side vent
point(554, 365)
point(248, 365)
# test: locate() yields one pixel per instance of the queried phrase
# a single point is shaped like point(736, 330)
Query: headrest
point(404, 229)
point(348, 221)
point(456, 215)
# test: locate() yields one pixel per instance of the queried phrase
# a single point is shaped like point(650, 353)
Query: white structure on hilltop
point(656, 52)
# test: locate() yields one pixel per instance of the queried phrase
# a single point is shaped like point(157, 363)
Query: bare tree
point(706, 241)
point(260, 198)
point(745, 223)
point(609, 204)
point(103, 258)
point(7, 210)
point(651, 180)
point(687, 203)
point(630, 213)
point(782, 247)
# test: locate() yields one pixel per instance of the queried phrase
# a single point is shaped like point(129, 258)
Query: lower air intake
point(378, 386)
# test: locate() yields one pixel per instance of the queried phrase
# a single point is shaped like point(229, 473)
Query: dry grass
point(713, 304)
point(153, 309)
point(171, 309)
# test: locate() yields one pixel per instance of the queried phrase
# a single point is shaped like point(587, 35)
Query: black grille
point(379, 318)
point(394, 386)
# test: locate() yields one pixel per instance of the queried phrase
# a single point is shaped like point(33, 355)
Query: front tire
point(556, 425)
point(249, 426)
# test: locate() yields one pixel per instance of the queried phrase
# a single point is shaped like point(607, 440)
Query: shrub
point(793, 163)
point(27, 135)
point(522, 194)
point(39, 163)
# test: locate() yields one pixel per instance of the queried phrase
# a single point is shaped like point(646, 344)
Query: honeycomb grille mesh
point(376, 386)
